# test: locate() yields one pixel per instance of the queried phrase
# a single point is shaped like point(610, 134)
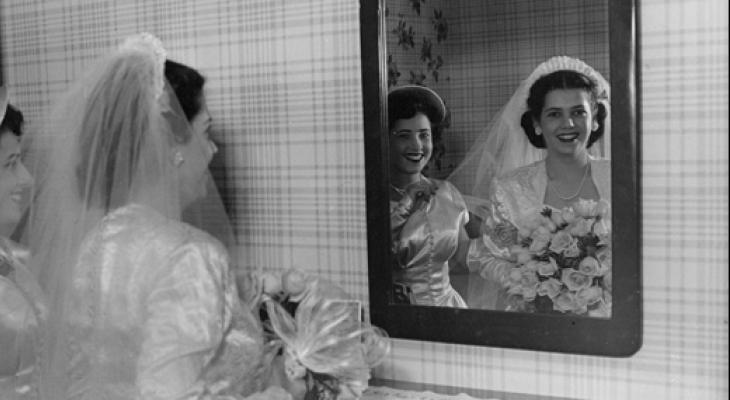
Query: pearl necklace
point(577, 192)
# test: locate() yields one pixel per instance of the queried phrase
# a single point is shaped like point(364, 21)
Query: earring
point(178, 159)
point(538, 130)
point(595, 125)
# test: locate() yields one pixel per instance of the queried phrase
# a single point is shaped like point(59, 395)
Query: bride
point(544, 148)
point(143, 302)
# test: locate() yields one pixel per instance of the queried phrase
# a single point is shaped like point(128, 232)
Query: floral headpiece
point(152, 46)
point(559, 63)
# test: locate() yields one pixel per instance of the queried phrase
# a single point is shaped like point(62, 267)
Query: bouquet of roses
point(324, 340)
point(563, 261)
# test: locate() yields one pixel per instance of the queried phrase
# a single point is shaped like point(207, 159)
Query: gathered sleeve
point(193, 319)
point(188, 310)
point(489, 254)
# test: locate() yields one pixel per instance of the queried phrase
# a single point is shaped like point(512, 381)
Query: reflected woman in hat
point(427, 215)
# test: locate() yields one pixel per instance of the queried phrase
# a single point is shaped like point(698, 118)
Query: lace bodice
point(522, 190)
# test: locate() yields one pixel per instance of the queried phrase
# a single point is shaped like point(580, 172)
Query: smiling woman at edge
point(427, 215)
point(22, 307)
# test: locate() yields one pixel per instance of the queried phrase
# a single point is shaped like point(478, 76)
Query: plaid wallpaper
point(284, 91)
point(488, 49)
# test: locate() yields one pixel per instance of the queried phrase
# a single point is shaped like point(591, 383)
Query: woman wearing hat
point(427, 215)
point(21, 304)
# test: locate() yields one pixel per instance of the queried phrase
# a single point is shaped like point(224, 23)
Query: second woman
point(427, 215)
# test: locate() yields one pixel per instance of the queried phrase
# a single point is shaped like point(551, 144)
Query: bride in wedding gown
point(546, 147)
point(143, 301)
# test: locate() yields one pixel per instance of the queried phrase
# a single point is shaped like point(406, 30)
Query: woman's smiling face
point(410, 145)
point(15, 182)
point(566, 121)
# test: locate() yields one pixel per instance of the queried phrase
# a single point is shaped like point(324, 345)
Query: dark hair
point(13, 121)
point(407, 106)
point(562, 79)
point(188, 86)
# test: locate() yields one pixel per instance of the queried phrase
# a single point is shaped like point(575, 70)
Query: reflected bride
point(539, 148)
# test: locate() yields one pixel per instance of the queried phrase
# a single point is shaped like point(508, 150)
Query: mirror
point(475, 54)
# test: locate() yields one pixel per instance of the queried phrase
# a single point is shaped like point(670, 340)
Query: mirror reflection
point(499, 158)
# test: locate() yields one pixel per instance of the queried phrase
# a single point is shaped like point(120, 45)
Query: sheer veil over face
point(118, 137)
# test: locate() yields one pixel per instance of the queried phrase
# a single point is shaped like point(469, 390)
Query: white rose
point(575, 280)
point(602, 229)
point(590, 295)
point(271, 283)
point(560, 242)
point(590, 266)
point(585, 208)
point(568, 215)
point(547, 268)
point(549, 287)
point(294, 282)
point(573, 250)
point(565, 302)
point(581, 227)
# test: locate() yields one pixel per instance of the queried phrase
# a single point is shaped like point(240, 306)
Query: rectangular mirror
point(475, 54)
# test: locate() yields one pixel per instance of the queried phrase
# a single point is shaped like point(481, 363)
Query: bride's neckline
point(548, 191)
point(551, 185)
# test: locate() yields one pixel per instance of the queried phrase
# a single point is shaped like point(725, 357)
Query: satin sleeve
point(188, 310)
point(489, 254)
point(17, 324)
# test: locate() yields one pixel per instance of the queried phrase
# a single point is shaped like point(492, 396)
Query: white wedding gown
point(515, 195)
point(156, 315)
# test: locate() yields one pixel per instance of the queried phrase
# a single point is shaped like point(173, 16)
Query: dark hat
point(401, 96)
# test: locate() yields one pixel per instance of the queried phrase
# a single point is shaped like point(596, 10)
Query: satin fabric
point(516, 195)
point(157, 315)
point(22, 310)
point(428, 239)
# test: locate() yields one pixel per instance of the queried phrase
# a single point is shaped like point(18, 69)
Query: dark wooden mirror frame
point(618, 336)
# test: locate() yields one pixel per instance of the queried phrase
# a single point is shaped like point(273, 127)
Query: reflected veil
point(503, 145)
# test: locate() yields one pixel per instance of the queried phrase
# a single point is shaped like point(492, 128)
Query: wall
point(489, 48)
point(284, 90)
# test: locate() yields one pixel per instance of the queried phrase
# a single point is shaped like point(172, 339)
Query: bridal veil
point(503, 146)
point(112, 140)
